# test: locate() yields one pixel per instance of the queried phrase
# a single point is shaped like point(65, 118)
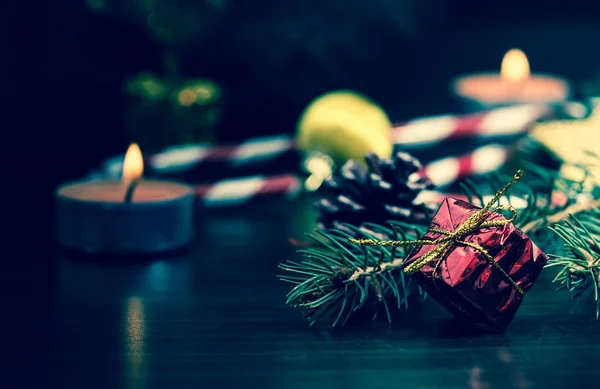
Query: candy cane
point(245, 190)
point(415, 134)
point(449, 170)
point(242, 190)
point(181, 158)
point(429, 131)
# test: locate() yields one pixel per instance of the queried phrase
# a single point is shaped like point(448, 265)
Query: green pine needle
point(579, 272)
point(333, 279)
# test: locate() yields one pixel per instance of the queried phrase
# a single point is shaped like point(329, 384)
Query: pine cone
point(383, 191)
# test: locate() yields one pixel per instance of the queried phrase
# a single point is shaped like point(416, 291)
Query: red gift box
point(483, 275)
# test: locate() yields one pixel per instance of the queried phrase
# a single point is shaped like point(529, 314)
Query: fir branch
point(579, 271)
point(559, 216)
point(335, 278)
point(539, 192)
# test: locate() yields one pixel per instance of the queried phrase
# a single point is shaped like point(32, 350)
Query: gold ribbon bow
point(448, 239)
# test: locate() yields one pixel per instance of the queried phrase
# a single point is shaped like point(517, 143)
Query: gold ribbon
point(449, 239)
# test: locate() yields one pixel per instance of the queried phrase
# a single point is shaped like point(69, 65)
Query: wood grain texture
point(215, 318)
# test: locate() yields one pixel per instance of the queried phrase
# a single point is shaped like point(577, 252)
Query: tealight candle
point(125, 217)
point(514, 85)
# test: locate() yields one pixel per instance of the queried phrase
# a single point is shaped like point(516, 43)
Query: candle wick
point(130, 190)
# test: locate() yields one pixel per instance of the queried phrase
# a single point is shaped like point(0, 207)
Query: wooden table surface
point(216, 318)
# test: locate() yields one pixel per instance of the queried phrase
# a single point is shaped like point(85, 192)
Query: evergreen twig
point(579, 271)
point(335, 278)
point(557, 217)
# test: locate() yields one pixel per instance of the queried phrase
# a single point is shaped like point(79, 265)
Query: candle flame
point(133, 164)
point(515, 66)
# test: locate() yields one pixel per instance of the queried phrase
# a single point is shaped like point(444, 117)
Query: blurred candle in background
point(127, 216)
point(514, 85)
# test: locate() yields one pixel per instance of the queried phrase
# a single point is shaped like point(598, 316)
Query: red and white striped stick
point(442, 172)
point(449, 170)
point(428, 131)
point(417, 133)
point(181, 158)
point(244, 190)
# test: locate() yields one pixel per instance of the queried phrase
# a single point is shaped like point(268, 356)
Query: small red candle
point(514, 85)
point(127, 216)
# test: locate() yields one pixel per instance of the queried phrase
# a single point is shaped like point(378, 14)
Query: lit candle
point(127, 216)
point(514, 85)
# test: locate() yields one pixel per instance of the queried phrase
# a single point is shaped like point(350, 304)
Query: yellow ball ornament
point(344, 125)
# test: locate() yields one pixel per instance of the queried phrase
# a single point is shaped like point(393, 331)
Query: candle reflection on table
point(511, 370)
point(134, 339)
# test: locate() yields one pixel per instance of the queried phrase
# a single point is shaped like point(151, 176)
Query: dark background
point(272, 57)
